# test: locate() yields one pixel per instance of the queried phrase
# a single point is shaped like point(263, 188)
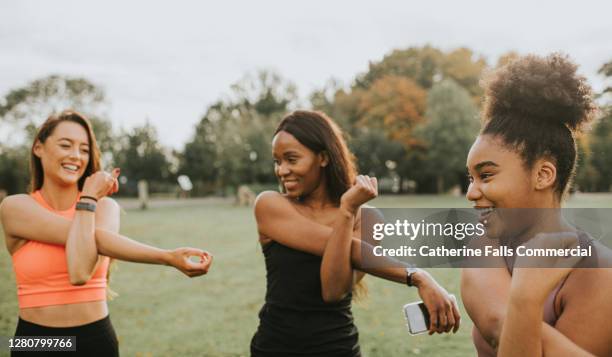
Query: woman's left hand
point(180, 258)
point(442, 308)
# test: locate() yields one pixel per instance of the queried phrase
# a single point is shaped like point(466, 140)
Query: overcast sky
point(167, 61)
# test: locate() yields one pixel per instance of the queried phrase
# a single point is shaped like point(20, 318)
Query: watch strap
point(86, 206)
point(409, 274)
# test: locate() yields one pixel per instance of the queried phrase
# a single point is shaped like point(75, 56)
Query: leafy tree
point(232, 141)
point(506, 58)
point(606, 70)
point(23, 109)
point(451, 128)
point(425, 65)
point(594, 171)
point(601, 153)
point(374, 152)
point(419, 64)
point(395, 105)
point(14, 169)
point(462, 66)
point(141, 157)
point(390, 99)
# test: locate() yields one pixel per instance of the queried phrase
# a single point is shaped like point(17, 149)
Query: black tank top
point(295, 321)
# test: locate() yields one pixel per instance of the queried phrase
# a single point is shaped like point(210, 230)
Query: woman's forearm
point(486, 298)
point(363, 259)
point(336, 268)
point(521, 333)
point(81, 250)
point(18, 213)
point(121, 247)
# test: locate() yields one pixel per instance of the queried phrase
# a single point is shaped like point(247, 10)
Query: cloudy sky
point(167, 61)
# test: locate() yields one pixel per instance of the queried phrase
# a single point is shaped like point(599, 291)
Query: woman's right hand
point(364, 189)
point(180, 258)
point(101, 183)
point(443, 312)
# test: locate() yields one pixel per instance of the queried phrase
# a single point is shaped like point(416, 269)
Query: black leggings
point(93, 339)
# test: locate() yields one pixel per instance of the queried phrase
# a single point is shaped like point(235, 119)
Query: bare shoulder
point(589, 286)
point(589, 278)
point(14, 201)
point(266, 197)
point(268, 201)
point(268, 206)
point(11, 204)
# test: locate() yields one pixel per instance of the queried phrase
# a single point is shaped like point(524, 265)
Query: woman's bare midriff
point(68, 315)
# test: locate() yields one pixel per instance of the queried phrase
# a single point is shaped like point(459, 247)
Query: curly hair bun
point(545, 89)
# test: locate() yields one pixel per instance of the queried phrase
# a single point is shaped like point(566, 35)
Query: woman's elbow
point(78, 281)
point(332, 295)
point(332, 298)
point(491, 330)
point(78, 278)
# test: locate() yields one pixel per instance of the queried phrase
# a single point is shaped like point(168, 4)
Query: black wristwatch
point(86, 206)
point(410, 271)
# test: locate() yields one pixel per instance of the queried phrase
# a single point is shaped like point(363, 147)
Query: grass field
point(160, 312)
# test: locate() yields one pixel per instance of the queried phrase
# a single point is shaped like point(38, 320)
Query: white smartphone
point(417, 317)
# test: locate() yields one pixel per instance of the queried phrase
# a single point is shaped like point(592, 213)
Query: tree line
point(410, 120)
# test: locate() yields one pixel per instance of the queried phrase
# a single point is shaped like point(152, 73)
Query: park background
point(197, 90)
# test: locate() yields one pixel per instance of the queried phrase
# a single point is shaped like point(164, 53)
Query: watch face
point(411, 270)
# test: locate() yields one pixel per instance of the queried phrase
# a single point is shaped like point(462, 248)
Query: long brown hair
point(37, 176)
point(321, 134)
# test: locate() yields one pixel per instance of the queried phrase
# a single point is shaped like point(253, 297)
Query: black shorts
point(93, 339)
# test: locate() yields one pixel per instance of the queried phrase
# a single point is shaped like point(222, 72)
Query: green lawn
point(160, 312)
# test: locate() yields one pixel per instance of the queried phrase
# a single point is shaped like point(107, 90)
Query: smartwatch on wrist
point(85, 206)
point(410, 271)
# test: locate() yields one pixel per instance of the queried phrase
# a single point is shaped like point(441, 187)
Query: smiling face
point(498, 176)
point(65, 153)
point(500, 180)
point(299, 169)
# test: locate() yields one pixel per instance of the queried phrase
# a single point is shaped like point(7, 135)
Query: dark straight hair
point(37, 176)
point(319, 133)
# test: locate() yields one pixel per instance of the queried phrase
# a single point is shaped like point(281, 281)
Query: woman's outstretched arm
point(17, 213)
point(279, 221)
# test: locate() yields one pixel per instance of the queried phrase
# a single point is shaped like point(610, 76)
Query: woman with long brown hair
point(62, 235)
point(307, 310)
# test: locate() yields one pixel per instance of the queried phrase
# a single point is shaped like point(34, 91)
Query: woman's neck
point(549, 220)
point(57, 196)
point(318, 199)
